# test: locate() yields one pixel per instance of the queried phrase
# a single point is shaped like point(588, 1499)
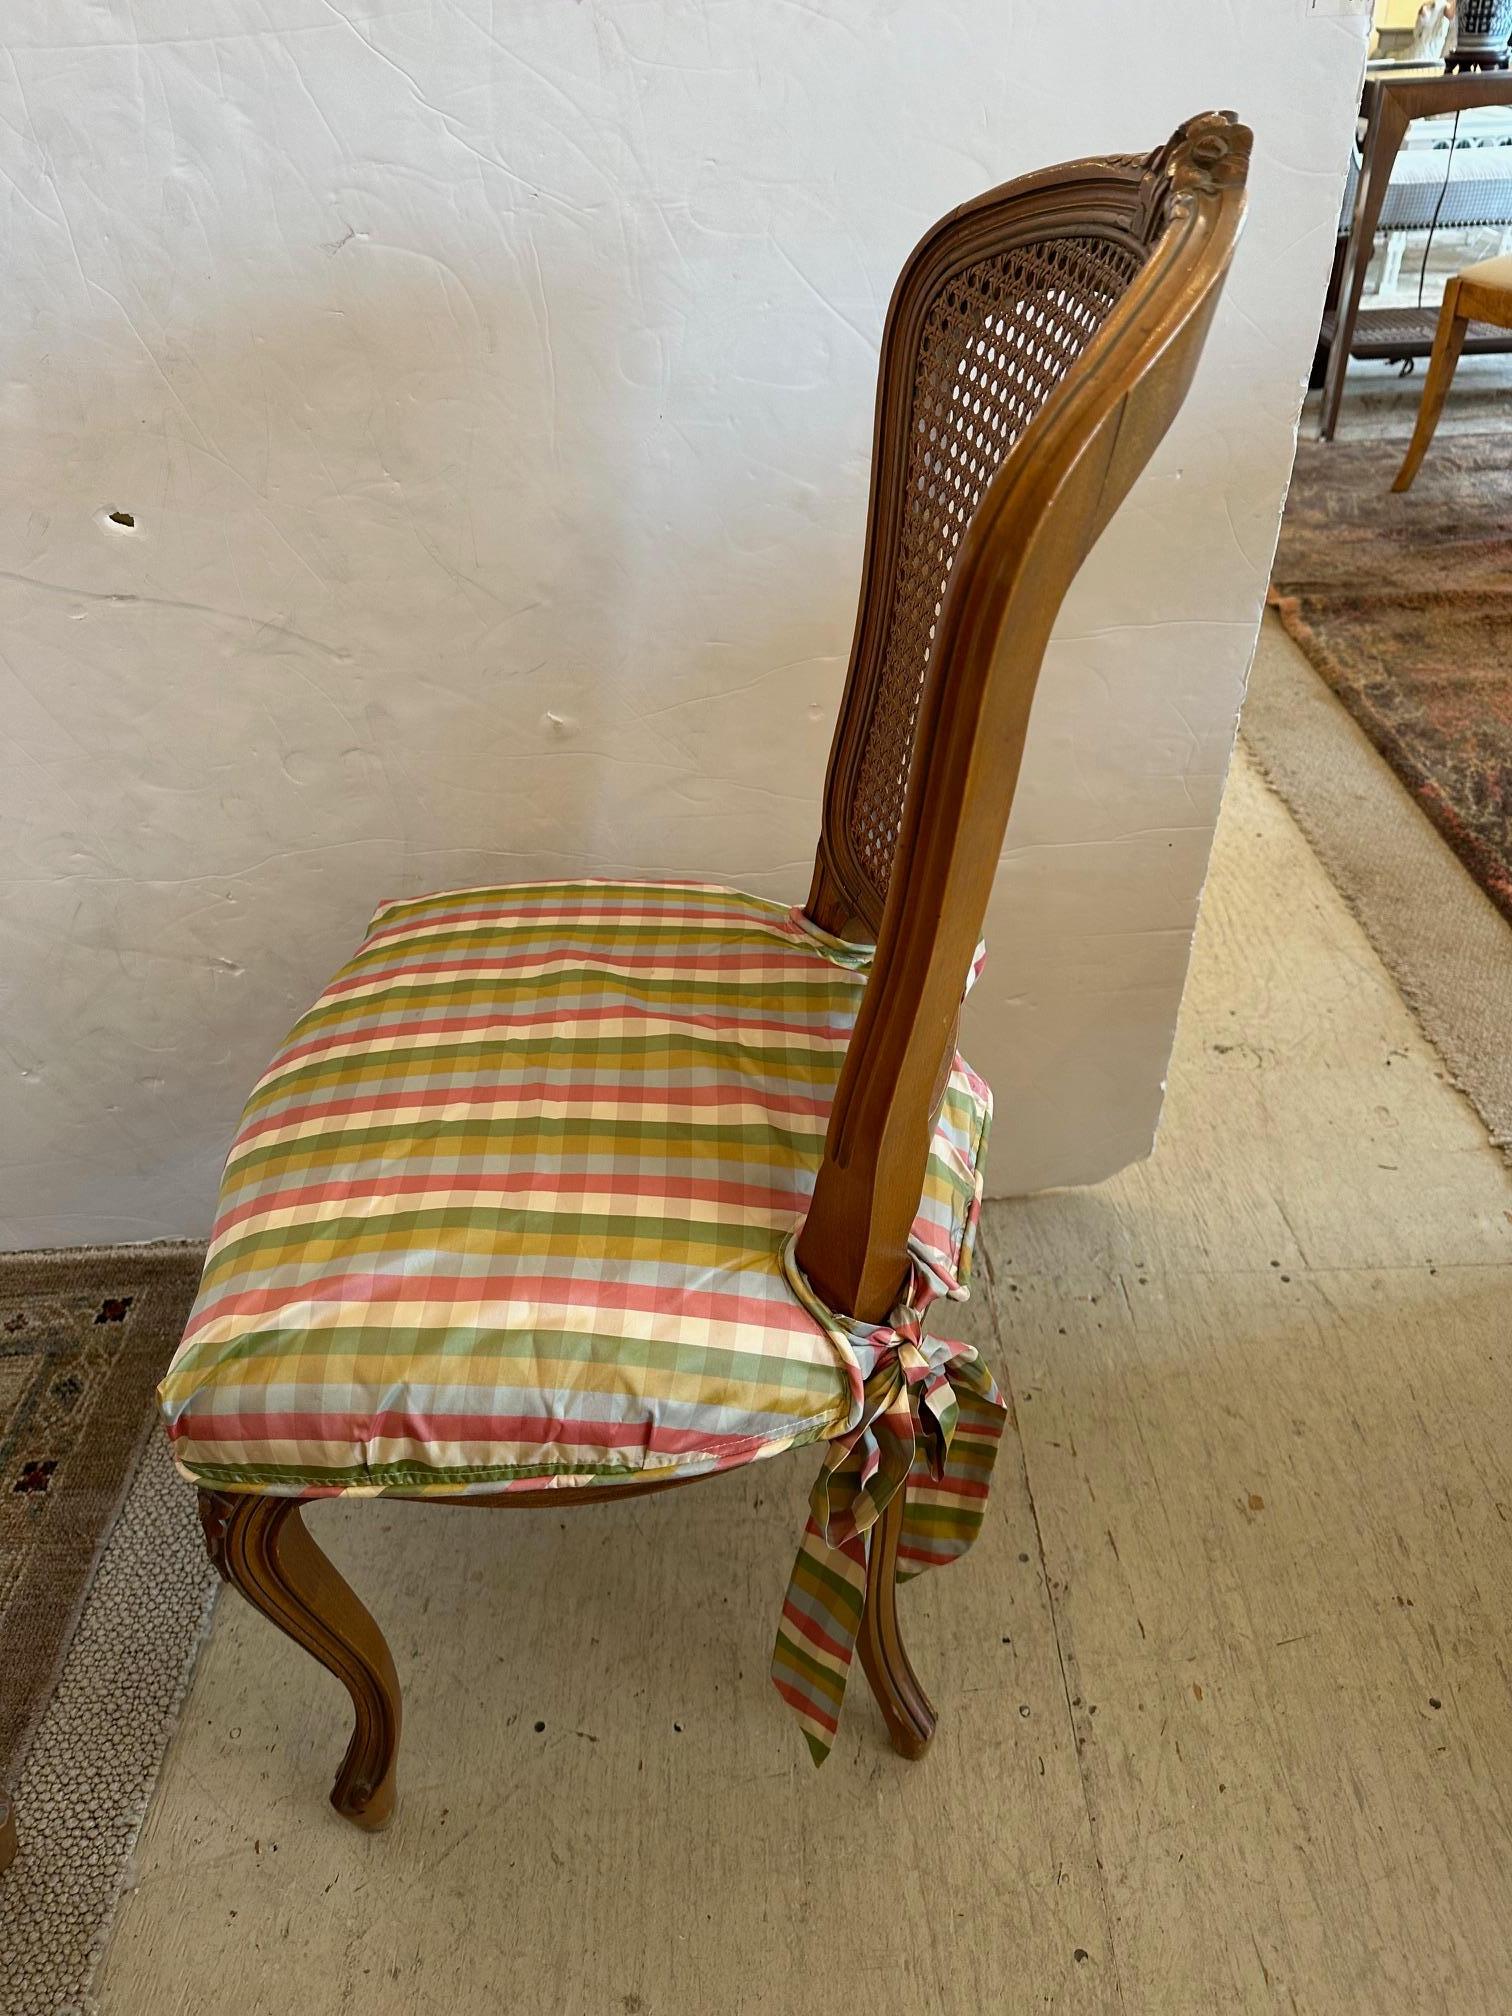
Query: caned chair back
point(1039, 342)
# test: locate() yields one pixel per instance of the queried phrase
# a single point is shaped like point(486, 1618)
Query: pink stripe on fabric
point(807, 1705)
point(929, 1557)
point(809, 1628)
point(426, 1431)
point(977, 1083)
point(952, 1487)
point(555, 1292)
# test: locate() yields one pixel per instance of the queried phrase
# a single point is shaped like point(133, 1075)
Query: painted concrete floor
point(1226, 1721)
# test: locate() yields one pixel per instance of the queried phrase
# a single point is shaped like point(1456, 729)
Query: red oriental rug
point(1404, 605)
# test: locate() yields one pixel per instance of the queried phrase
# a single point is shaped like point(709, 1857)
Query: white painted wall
point(491, 386)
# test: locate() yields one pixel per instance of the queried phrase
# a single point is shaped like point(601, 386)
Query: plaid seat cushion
point(514, 1203)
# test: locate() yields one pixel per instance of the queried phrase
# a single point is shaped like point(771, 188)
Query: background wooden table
point(1389, 106)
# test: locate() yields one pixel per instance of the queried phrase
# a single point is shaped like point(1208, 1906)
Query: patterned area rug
point(105, 1593)
point(98, 1749)
point(1404, 605)
point(84, 1339)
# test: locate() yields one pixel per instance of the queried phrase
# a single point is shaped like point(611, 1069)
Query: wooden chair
point(1479, 293)
point(1038, 344)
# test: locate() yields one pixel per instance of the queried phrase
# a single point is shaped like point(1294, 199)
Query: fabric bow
point(929, 1421)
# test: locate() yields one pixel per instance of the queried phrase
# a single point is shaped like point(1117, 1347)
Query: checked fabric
point(514, 1206)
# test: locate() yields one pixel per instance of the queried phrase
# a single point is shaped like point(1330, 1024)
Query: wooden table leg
point(1388, 127)
point(7, 1832)
point(1448, 341)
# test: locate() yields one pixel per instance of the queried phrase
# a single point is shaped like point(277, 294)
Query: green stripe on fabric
point(783, 1058)
point(814, 1571)
point(565, 1134)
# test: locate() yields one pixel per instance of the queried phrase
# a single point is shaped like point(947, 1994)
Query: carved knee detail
point(261, 1547)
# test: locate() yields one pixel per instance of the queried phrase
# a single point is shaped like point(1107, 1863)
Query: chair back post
point(1029, 492)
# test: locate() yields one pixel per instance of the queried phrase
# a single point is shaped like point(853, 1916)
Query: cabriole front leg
point(261, 1546)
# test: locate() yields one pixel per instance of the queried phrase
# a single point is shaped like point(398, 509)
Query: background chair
point(1478, 293)
point(1039, 342)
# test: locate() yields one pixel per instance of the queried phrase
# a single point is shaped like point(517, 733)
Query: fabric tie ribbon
point(928, 1418)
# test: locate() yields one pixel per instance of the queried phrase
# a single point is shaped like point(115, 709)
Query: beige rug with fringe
point(1444, 941)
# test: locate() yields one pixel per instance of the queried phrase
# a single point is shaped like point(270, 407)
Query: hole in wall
point(125, 518)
